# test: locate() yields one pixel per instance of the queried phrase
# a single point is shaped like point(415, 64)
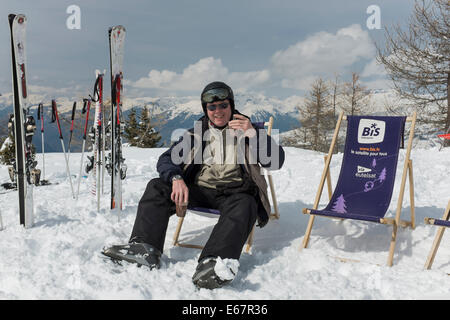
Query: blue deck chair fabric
point(366, 180)
point(442, 223)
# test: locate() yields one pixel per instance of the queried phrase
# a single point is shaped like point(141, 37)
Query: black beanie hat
point(215, 85)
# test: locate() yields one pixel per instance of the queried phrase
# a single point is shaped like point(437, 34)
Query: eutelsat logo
point(363, 172)
point(371, 131)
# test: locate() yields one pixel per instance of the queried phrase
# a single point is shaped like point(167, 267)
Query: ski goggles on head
point(215, 94)
point(213, 107)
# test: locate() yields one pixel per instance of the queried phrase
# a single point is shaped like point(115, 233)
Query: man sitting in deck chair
point(217, 165)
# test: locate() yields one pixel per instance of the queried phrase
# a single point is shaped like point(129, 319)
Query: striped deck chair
point(366, 181)
point(213, 213)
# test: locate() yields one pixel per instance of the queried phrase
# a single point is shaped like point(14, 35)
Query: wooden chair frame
point(407, 171)
point(273, 215)
point(437, 238)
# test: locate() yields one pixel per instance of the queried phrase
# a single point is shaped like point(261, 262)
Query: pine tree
point(131, 130)
point(148, 137)
point(8, 150)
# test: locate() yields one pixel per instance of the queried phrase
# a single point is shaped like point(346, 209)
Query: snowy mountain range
point(181, 112)
point(175, 113)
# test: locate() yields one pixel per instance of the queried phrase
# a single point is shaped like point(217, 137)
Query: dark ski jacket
point(190, 165)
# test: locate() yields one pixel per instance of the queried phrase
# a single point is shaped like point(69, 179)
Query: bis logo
point(371, 131)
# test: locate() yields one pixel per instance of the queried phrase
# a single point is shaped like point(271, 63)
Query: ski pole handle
point(73, 114)
point(55, 116)
point(88, 104)
point(40, 116)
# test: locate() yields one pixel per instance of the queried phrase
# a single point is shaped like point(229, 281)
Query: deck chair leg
point(250, 240)
point(308, 232)
point(437, 239)
point(392, 246)
point(411, 195)
point(177, 231)
point(322, 180)
point(330, 189)
point(274, 198)
point(434, 248)
point(407, 168)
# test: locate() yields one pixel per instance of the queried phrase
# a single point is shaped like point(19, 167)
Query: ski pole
point(100, 137)
point(71, 129)
point(55, 116)
point(40, 116)
point(86, 108)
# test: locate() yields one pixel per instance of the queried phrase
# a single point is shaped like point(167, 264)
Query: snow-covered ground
point(59, 258)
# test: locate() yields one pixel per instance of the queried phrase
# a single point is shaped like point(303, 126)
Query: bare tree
point(418, 60)
point(317, 115)
point(335, 92)
point(355, 97)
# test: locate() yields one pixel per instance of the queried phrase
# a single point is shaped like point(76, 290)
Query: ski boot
point(123, 171)
point(35, 176)
point(11, 124)
point(206, 277)
point(30, 128)
point(91, 135)
point(89, 164)
point(12, 174)
point(139, 253)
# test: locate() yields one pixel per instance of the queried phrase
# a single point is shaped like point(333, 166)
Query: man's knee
point(241, 204)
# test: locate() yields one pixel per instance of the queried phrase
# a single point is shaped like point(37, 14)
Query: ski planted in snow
point(116, 166)
point(95, 161)
point(25, 173)
point(40, 116)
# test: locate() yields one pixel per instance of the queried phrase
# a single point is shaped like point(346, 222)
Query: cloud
point(321, 54)
point(195, 76)
point(373, 68)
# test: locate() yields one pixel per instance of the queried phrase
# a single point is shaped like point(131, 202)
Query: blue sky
point(176, 47)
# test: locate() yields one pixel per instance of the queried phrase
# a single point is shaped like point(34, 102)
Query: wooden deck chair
point(442, 223)
point(213, 213)
point(366, 181)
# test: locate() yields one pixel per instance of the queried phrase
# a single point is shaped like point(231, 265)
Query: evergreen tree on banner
point(382, 176)
point(339, 205)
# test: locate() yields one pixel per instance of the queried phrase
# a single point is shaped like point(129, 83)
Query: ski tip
point(118, 27)
point(21, 18)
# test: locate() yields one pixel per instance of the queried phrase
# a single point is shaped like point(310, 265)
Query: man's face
point(220, 115)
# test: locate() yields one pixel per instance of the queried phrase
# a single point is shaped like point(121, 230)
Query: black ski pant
point(238, 212)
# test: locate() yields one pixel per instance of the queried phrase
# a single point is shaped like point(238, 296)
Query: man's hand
point(180, 192)
point(243, 123)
